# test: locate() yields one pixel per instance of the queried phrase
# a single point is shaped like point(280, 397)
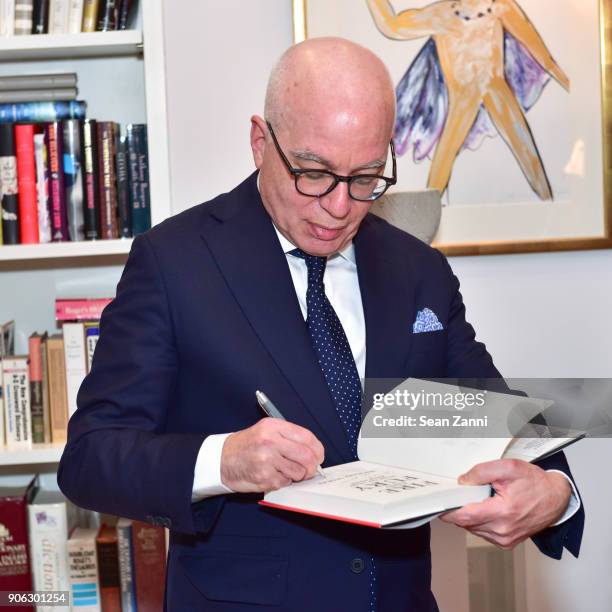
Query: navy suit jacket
point(206, 313)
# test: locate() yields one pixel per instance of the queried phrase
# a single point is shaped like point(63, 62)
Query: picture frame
point(572, 131)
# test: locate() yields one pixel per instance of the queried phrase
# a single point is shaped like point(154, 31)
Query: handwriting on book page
point(375, 481)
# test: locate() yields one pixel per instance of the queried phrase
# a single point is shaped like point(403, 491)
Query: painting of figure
point(482, 67)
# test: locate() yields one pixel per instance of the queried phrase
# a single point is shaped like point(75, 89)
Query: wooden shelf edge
point(43, 453)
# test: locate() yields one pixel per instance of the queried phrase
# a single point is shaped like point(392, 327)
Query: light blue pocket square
point(426, 321)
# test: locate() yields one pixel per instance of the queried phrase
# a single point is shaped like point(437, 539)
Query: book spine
point(37, 95)
point(108, 186)
point(90, 15)
point(36, 389)
point(75, 16)
point(42, 112)
point(48, 530)
point(92, 335)
point(40, 17)
point(7, 17)
point(58, 16)
point(80, 310)
point(58, 403)
point(2, 412)
point(108, 569)
point(92, 185)
point(8, 185)
point(124, 14)
point(38, 81)
point(74, 178)
point(126, 567)
point(139, 178)
point(123, 190)
point(46, 401)
point(149, 565)
point(23, 17)
point(26, 184)
point(57, 190)
point(42, 188)
point(75, 356)
point(107, 19)
point(83, 573)
point(16, 392)
point(14, 549)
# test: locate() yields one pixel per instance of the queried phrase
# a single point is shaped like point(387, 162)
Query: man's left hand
point(527, 499)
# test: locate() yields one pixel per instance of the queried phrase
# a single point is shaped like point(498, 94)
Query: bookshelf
point(122, 77)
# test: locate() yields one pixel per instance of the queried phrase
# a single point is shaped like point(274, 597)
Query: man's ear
point(259, 130)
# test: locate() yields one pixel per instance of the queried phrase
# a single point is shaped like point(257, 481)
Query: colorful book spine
point(48, 532)
point(107, 19)
point(123, 190)
point(37, 95)
point(58, 398)
point(126, 565)
point(23, 17)
point(17, 411)
point(67, 309)
point(75, 355)
point(46, 396)
point(58, 16)
point(42, 112)
point(92, 184)
point(58, 211)
point(148, 543)
point(40, 19)
point(36, 388)
point(75, 16)
point(108, 568)
point(124, 13)
point(139, 177)
point(92, 335)
point(83, 570)
point(42, 188)
point(26, 180)
point(7, 17)
point(61, 80)
point(109, 226)
point(8, 185)
point(90, 15)
point(74, 178)
point(14, 549)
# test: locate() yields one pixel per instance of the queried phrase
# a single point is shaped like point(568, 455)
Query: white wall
point(542, 315)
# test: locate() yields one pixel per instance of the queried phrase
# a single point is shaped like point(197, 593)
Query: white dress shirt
point(342, 290)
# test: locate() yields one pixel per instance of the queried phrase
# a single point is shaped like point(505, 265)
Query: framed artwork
point(504, 106)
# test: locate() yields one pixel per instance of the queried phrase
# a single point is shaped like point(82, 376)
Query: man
point(298, 295)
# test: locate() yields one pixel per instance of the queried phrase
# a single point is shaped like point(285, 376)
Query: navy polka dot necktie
point(336, 361)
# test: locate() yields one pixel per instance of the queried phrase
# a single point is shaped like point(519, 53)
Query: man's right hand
point(269, 455)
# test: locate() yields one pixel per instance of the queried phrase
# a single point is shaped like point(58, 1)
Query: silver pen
point(272, 411)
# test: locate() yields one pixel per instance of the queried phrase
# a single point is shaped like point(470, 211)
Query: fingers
point(494, 471)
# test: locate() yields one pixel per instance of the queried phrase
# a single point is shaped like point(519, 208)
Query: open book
point(404, 482)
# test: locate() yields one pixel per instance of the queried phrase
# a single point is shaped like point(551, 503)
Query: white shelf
point(43, 453)
point(54, 250)
point(70, 46)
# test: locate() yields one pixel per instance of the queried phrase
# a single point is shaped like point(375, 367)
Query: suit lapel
point(243, 242)
point(387, 284)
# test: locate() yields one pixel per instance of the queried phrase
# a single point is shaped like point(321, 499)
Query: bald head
point(322, 77)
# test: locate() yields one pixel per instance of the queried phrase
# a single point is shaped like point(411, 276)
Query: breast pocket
point(428, 355)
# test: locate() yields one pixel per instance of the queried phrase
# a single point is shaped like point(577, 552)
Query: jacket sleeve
point(469, 359)
point(120, 457)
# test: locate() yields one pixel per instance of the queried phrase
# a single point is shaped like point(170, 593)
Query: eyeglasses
point(317, 183)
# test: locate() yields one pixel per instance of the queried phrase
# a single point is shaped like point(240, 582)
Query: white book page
point(529, 449)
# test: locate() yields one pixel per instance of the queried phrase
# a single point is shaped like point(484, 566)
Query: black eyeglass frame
point(297, 172)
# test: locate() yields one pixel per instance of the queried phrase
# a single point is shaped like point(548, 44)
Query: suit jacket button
point(357, 565)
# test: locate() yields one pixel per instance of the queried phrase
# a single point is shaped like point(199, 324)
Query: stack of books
point(105, 563)
point(65, 177)
point(22, 17)
point(38, 391)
